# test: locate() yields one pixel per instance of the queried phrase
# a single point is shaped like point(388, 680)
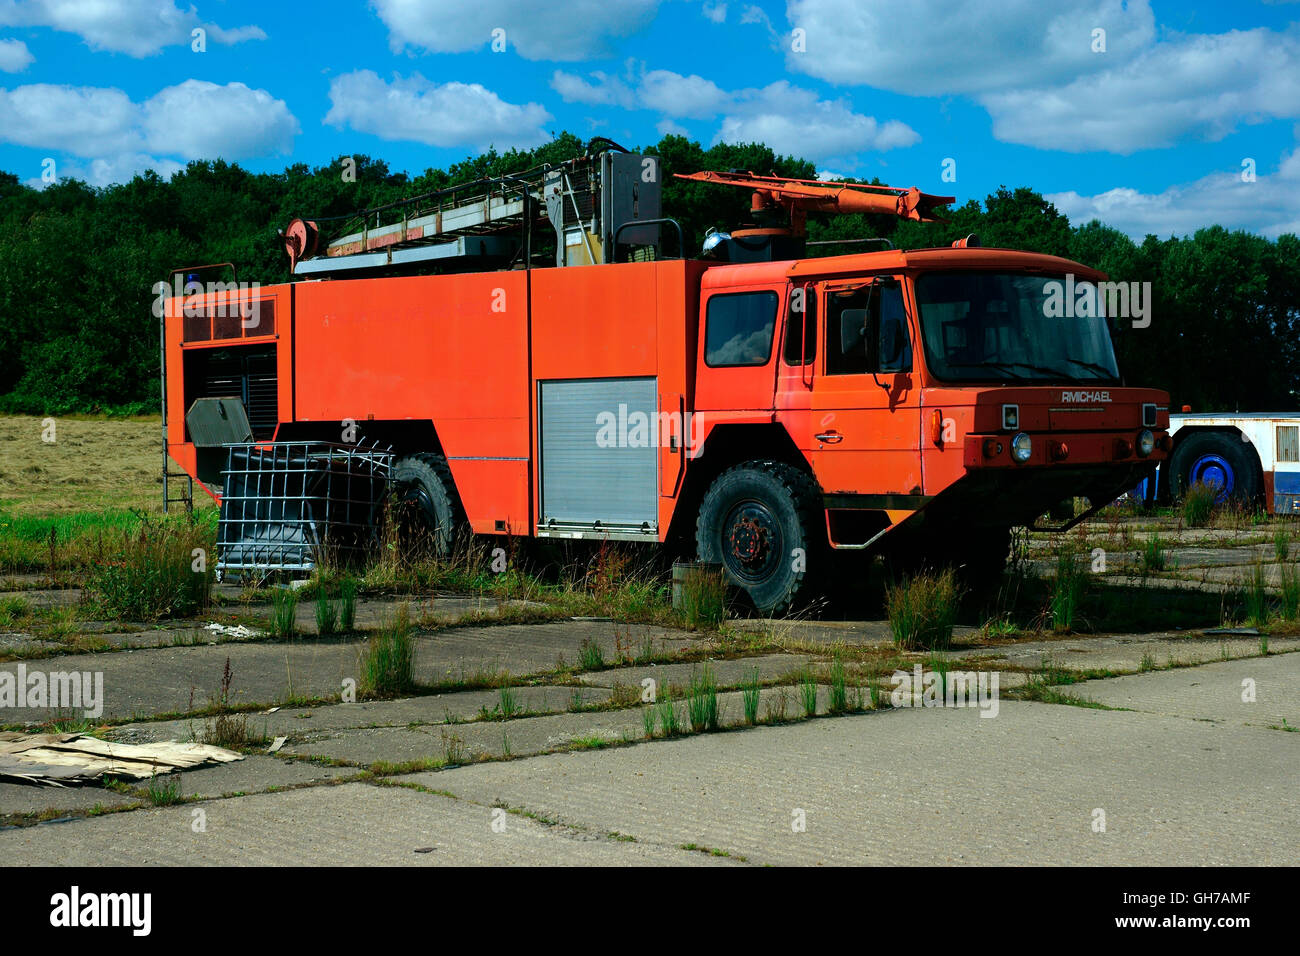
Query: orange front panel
point(450, 349)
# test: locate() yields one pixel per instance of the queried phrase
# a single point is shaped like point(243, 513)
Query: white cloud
point(579, 30)
point(1197, 86)
point(794, 122)
point(601, 90)
point(937, 47)
point(135, 27)
point(1270, 205)
point(1033, 66)
point(790, 119)
point(715, 12)
point(82, 120)
point(672, 94)
point(105, 172)
point(446, 114)
point(198, 120)
point(192, 120)
point(667, 127)
point(14, 56)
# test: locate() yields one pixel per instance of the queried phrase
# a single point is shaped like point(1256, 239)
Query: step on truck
point(533, 355)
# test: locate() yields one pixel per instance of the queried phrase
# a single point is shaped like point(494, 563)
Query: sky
point(1155, 117)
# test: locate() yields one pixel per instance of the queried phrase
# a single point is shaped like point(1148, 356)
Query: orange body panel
point(401, 348)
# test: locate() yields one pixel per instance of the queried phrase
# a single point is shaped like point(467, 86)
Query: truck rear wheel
point(1215, 458)
point(424, 504)
point(762, 522)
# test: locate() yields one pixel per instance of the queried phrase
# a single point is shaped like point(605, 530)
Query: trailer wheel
point(1215, 458)
point(761, 522)
point(424, 504)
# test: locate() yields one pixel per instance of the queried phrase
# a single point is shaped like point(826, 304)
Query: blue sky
point(1147, 126)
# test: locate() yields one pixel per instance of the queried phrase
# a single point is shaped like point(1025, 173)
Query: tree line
point(78, 266)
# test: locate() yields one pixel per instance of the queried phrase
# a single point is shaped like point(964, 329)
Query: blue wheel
point(1219, 460)
point(1214, 471)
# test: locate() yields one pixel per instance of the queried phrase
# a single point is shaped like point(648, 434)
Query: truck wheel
point(1215, 458)
point(761, 521)
point(424, 504)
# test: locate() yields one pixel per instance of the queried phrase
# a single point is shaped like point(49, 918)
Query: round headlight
point(1146, 442)
point(1022, 446)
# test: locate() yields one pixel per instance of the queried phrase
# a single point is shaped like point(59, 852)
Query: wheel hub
point(752, 540)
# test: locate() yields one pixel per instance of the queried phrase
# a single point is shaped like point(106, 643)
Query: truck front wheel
point(762, 522)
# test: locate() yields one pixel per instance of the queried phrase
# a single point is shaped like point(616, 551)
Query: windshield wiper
point(1009, 368)
point(1094, 366)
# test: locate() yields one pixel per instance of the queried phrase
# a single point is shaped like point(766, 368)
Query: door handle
point(831, 437)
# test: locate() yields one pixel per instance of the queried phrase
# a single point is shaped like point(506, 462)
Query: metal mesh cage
point(285, 503)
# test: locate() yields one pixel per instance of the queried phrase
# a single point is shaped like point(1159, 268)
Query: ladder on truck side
point(595, 203)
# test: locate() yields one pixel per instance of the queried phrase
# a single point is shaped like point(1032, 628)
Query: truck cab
point(937, 397)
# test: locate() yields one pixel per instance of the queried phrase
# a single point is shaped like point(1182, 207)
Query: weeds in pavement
point(387, 665)
point(702, 700)
point(164, 791)
point(590, 656)
point(749, 694)
point(923, 609)
point(1200, 504)
point(1257, 596)
point(1067, 589)
point(284, 612)
point(704, 598)
point(159, 570)
point(808, 693)
point(1153, 555)
point(327, 613)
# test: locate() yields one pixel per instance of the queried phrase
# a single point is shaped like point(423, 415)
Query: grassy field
point(92, 465)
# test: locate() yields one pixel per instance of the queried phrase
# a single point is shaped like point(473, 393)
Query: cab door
point(866, 412)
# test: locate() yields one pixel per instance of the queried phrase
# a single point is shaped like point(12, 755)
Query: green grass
point(284, 612)
point(164, 791)
point(327, 614)
point(838, 702)
point(156, 570)
point(347, 604)
point(387, 664)
point(923, 609)
point(1282, 543)
point(808, 693)
point(1289, 584)
point(666, 713)
point(14, 611)
point(1066, 589)
point(1153, 555)
point(590, 656)
point(1256, 597)
point(704, 599)
point(508, 705)
point(702, 700)
point(83, 540)
point(749, 694)
point(1200, 505)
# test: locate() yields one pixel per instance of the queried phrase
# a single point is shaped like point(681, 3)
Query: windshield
point(995, 326)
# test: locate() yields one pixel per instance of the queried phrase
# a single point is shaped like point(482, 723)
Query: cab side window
point(866, 331)
point(801, 327)
point(738, 329)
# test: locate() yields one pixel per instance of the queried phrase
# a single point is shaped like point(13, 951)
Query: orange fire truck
point(765, 410)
